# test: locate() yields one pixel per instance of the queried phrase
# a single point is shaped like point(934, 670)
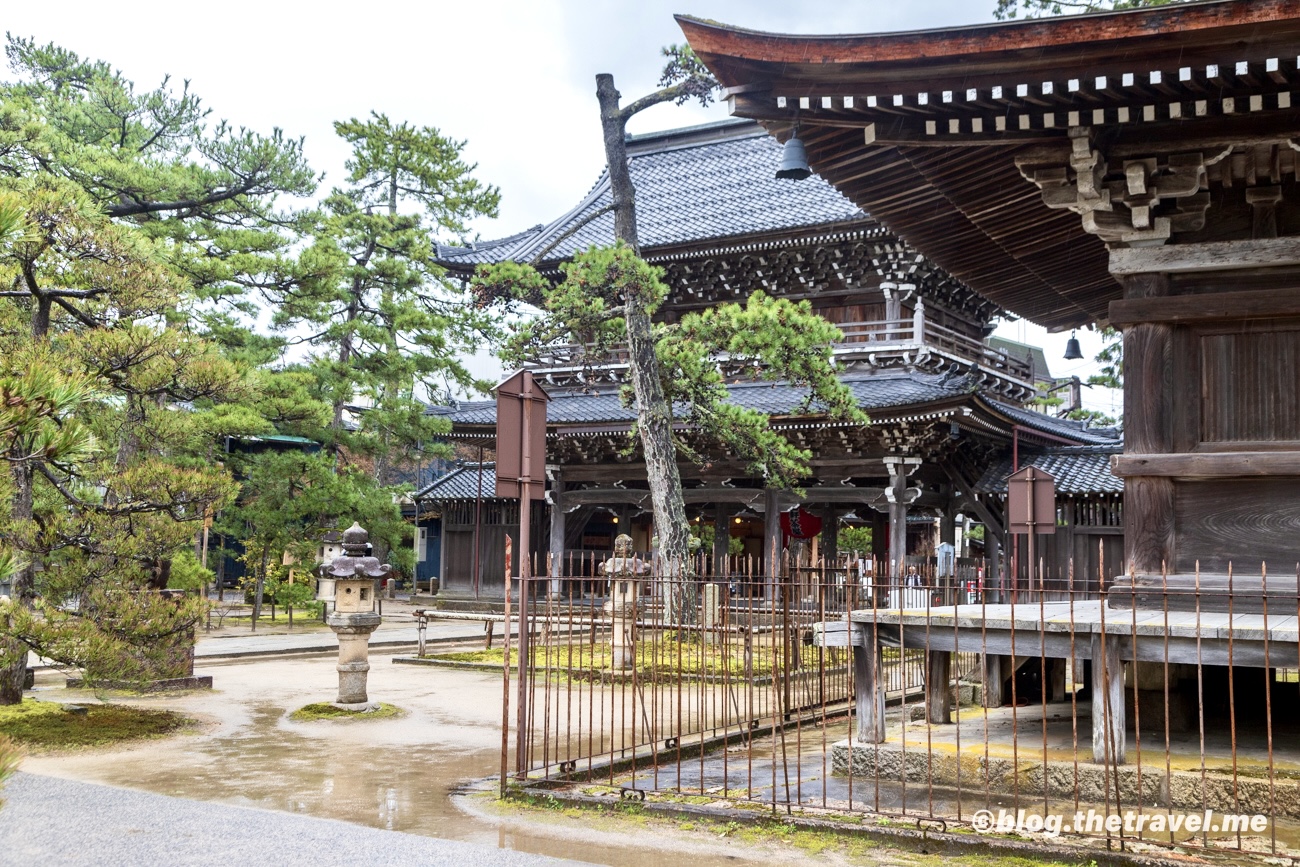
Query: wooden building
point(1135, 169)
point(944, 403)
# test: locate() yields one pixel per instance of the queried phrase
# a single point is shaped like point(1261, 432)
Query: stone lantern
point(355, 575)
point(624, 571)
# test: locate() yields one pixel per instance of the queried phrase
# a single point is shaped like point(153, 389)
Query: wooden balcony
point(914, 343)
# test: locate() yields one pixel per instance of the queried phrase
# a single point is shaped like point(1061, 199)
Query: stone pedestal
point(621, 609)
point(354, 632)
point(623, 569)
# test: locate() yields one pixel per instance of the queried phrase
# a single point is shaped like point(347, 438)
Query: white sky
point(514, 78)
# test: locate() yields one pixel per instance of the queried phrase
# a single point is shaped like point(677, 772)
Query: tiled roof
point(876, 392)
point(466, 482)
point(700, 184)
point(1077, 470)
point(1077, 430)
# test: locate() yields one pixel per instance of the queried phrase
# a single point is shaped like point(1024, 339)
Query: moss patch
point(325, 710)
point(49, 725)
point(657, 659)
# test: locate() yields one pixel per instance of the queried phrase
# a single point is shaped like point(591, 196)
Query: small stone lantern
point(355, 575)
point(624, 570)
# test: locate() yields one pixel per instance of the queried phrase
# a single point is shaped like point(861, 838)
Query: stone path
point(49, 821)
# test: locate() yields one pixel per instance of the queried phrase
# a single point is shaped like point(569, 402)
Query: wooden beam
point(1208, 465)
point(1255, 304)
point(1215, 256)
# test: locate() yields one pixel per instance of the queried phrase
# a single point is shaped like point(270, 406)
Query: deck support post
point(1056, 679)
point(992, 666)
point(1107, 701)
point(938, 694)
point(868, 693)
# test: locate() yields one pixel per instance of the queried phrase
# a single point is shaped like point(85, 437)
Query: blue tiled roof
point(466, 482)
point(706, 183)
point(876, 392)
point(1076, 430)
point(1077, 470)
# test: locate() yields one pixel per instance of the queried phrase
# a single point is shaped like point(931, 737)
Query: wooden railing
point(882, 337)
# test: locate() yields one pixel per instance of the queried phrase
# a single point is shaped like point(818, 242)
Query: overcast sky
point(514, 78)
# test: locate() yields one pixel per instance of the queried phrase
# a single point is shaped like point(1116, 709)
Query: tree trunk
point(260, 588)
point(22, 588)
point(13, 671)
point(654, 417)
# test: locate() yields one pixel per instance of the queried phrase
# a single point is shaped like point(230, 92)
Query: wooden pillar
point(938, 693)
point(1148, 500)
point(830, 546)
point(771, 541)
point(556, 545)
point(868, 692)
point(993, 569)
point(898, 540)
point(899, 497)
point(880, 542)
point(1107, 701)
point(721, 537)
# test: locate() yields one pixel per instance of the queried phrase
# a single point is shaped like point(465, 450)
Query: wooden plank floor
point(1088, 616)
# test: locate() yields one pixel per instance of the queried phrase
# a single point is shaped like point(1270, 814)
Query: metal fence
point(1167, 717)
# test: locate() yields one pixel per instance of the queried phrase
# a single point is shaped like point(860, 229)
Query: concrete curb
point(924, 839)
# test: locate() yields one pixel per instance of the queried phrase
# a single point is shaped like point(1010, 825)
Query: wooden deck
point(1086, 616)
point(1081, 631)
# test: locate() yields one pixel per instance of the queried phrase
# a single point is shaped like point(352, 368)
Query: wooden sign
point(1031, 501)
point(521, 437)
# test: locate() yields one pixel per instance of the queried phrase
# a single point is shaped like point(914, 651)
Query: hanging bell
point(1072, 350)
point(794, 161)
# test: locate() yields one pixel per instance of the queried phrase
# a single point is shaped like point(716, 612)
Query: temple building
point(1132, 169)
point(945, 402)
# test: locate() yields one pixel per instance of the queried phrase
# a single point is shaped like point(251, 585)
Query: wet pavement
point(395, 774)
point(70, 823)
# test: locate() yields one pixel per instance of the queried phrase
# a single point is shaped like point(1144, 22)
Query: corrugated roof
point(706, 183)
point(1077, 470)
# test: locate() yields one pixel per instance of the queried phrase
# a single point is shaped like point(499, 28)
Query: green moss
point(47, 725)
point(325, 710)
point(480, 656)
point(661, 659)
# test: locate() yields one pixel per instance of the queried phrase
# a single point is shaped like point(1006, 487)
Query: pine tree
point(385, 329)
point(612, 294)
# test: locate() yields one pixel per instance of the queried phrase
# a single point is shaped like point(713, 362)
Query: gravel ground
point(49, 821)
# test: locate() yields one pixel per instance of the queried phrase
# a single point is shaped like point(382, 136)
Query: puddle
point(396, 774)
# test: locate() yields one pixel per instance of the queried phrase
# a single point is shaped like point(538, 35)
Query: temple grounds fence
point(931, 699)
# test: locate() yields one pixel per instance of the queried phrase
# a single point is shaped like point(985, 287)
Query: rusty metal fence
point(1145, 714)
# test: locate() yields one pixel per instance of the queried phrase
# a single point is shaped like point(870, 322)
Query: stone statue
point(624, 571)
